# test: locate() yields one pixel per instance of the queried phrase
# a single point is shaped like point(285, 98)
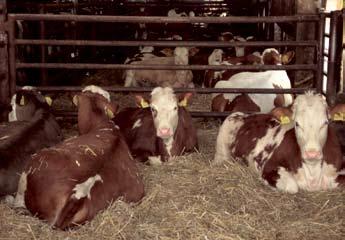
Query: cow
point(32, 128)
point(273, 79)
point(164, 78)
point(159, 128)
point(292, 149)
point(68, 184)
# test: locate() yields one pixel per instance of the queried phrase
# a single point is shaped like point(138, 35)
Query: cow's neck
point(168, 143)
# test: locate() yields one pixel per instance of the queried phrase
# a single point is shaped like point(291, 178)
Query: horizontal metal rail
point(161, 43)
point(74, 114)
point(178, 90)
point(162, 67)
point(159, 19)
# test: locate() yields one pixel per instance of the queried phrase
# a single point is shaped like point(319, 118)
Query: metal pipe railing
point(312, 67)
point(159, 19)
point(104, 43)
point(177, 90)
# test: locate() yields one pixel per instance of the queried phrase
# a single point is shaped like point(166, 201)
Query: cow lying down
point(299, 152)
point(164, 78)
point(32, 128)
point(70, 183)
point(159, 128)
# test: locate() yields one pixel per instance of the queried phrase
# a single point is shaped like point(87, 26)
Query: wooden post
point(4, 73)
point(305, 31)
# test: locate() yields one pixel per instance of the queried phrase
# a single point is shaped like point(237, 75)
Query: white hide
point(171, 78)
point(98, 90)
point(165, 111)
point(311, 123)
point(84, 189)
point(266, 79)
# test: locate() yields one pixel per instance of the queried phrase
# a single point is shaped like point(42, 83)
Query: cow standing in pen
point(160, 128)
point(300, 152)
point(70, 183)
point(32, 128)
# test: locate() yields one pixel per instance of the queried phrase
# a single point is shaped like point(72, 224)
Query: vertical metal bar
point(319, 51)
point(43, 48)
point(334, 56)
point(12, 54)
point(4, 73)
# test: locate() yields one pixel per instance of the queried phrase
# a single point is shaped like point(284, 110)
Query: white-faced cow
point(160, 128)
point(32, 128)
point(70, 183)
point(272, 79)
point(299, 152)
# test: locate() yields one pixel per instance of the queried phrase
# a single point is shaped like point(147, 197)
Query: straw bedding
point(187, 198)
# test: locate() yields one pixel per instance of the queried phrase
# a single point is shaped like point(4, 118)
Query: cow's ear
point(337, 113)
point(184, 99)
point(283, 114)
point(287, 57)
point(111, 109)
point(49, 100)
point(141, 102)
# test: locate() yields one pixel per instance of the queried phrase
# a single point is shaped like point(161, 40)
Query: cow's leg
point(129, 81)
point(280, 179)
point(18, 201)
point(155, 160)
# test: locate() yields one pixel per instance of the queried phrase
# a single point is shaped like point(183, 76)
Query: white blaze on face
point(216, 57)
point(164, 111)
point(181, 55)
point(96, 89)
point(82, 190)
point(311, 124)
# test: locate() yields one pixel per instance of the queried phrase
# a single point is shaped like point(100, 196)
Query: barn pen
point(187, 198)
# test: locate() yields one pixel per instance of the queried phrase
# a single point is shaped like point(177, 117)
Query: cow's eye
point(297, 125)
point(175, 108)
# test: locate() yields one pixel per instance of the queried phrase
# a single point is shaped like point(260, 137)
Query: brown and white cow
point(159, 129)
point(70, 183)
point(271, 79)
point(32, 128)
point(303, 153)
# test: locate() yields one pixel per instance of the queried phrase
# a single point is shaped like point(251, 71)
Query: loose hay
point(189, 199)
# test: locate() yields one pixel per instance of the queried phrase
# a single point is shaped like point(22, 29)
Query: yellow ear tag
point(284, 120)
point(183, 103)
point(75, 100)
point(339, 117)
point(109, 113)
point(48, 100)
point(22, 101)
point(143, 103)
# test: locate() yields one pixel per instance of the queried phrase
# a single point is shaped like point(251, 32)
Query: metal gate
point(10, 65)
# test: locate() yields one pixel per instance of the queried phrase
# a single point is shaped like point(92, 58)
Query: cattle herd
point(291, 143)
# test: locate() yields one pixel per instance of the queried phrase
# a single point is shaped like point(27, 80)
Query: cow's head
point(271, 56)
point(26, 102)
point(94, 108)
point(309, 116)
point(164, 105)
